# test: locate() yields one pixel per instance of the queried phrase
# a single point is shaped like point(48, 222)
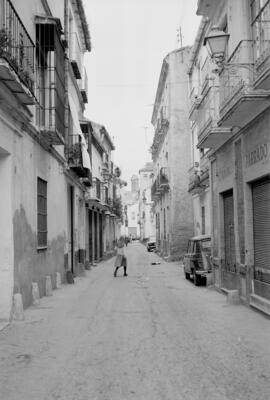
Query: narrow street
point(150, 336)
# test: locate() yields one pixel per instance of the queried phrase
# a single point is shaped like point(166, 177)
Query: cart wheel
point(196, 279)
point(187, 275)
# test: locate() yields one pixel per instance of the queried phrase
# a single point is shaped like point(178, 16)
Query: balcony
point(261, 29)
point(160, 133)
point(105, 194)
point(155, 191)
point(164, 179)
point(204, 170)
point(95, 191)
point(195, 100)
point(208, 107)
point(16, 55)
point(75, 55)
point(105, 166)
point(212, 136)
point(50, 109)
point(198, 179)
point(117, 207)
point(239, 102)
point(83, 86)
point(74, 156)
point(162, 126)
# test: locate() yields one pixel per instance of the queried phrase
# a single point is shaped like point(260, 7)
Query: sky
point(130, 39)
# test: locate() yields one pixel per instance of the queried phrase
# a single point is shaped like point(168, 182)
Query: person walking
point(121, 259)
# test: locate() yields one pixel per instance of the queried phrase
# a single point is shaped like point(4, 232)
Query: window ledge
point(41, 248)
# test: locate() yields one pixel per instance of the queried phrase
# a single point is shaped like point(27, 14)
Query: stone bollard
point(233, 297)
point(58, 280)
point(209, 279)
point(17, 311)
point(87, 265)
point(70, 278)
point(35, 294)
point(48, 286)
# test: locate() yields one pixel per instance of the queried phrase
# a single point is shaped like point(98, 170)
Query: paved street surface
point(150, 336)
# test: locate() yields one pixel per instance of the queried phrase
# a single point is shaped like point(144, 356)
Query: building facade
point(171, 156)
point(146, 211)
point(47, 149)
point(238, 136)
point(131, 227)
point(103, 198)
point(201, 86)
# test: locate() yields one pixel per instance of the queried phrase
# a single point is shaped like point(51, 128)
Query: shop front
point(257, 192)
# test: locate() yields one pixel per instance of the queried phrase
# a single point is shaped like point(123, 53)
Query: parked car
point(197, 260)
point(151, 246)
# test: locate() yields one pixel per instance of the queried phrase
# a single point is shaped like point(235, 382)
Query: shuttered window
point(261, 228)
point(41, 213)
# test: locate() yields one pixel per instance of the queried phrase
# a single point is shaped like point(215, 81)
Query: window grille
point(50, 78)
point(41, 213)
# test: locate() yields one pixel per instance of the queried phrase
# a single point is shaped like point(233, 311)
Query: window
point(260, 14)
point(203, 220)
point(50, 81)
point(41, 213)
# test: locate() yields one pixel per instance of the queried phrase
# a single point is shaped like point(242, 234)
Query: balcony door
point(229, 270)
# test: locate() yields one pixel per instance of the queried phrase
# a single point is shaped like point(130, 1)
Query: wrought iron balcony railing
point(17, 49)
point(95, 191)
point(74, 156)
point(50, 81)
point(238, 74)
point(162, 126)
point(164, 178)
point(261, 34)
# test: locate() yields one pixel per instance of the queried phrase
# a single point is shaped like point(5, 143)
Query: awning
point(77, 129)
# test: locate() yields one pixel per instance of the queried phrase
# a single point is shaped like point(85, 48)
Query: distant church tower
point(134, 183)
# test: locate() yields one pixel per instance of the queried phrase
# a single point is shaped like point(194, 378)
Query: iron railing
point(50, 79)
point(238, 74)
point(164, 178)
point(73, 151)
point(74, 156)
point(16, 46)
point(261, 35)
point(96, 189)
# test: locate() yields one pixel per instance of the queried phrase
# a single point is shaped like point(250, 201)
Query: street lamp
point(216, 43)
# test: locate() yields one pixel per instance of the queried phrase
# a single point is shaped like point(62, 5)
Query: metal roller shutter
point(261, 229)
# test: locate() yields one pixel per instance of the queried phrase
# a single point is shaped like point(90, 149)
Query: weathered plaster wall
point(30, 263)
point(200, 201)
point(179, 154)
point(6, 231)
